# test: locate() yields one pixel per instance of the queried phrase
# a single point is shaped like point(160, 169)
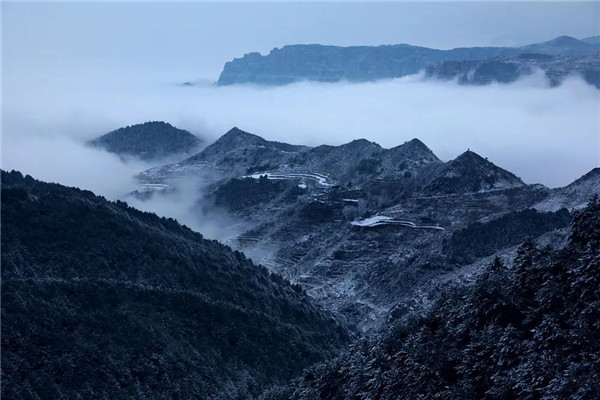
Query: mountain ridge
point(326, 63)
point(102, 300)
point(520, 330)
point(555, 68)
point(365, 230)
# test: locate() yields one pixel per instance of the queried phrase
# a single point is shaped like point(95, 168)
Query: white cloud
point(547, 135)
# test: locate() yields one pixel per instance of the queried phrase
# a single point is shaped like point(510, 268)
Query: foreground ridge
point(523, 331)
point(100, 300)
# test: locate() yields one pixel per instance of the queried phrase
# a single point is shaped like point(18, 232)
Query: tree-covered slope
point(484, 239)
point(529, 331)
point(100, 300)
point(147, 141)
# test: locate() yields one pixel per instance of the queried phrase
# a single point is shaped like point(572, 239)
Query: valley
point(371, 233)
point(300, 200)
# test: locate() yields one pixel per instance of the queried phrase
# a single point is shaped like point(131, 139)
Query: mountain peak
point(416, 142)
point(239, 150)
point(413, 149)
point(418, 145)
point(154, 123)
point(565, 41)
point(148, 140)
point(361, 143)
point(562, 45)
point(468, 173)
point(235, 131)
point(469, 155)
point(470, 158)
point(239, 136)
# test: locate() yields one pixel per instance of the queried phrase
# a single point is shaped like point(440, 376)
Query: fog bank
point(544, 135)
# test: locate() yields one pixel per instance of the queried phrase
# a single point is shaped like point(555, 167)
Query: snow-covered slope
point(576, 195)
point(469, 173)
point(362, 228)
point(234, 154)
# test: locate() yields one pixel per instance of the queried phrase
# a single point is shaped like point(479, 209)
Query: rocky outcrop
point(320, 63)
point(506, 70)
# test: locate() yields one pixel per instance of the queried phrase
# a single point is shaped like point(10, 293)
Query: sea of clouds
point(544, 135)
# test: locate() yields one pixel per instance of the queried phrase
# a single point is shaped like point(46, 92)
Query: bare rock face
point(556, 69)
point(320, 63)
point(332, 64)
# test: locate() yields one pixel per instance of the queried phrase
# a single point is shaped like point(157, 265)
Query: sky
point(73, 71)
point(197, 38)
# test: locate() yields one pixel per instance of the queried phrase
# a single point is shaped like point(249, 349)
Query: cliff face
point(509, 69)
point(331, 63)
point(368, 63)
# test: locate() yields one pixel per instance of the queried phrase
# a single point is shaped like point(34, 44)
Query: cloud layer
point(543, 135)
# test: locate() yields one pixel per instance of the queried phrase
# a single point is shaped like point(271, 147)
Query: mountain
point(234, 154)
point(320, 63)
point(523, 330)
point(591, 40)
point(562, 45)
point(573, 195)
point(332, 64)
point(100, 300)
point(362, 160)
point(365, 246)
point(239, 147)
point(148, 141)
point(509, 69)
point(238, 153)
point(470, 172)
point(371, 233)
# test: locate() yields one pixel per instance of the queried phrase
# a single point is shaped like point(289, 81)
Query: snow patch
point(379, 220)
point(321, 179)
point(372, 221)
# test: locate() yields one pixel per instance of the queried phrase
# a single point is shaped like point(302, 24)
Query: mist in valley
point(58, 93)
point(331, 271)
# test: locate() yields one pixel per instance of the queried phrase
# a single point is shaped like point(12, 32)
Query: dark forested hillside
point(147, 141)
point(523, 331)
point(484, 239)
point(239, 194)
point(102, 301)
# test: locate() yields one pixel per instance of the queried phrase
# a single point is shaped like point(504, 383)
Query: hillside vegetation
point(526, 331)
point(102, 301)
